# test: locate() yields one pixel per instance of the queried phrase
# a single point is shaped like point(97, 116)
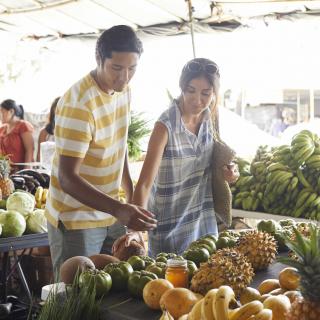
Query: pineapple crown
point(307, 249)
point(4, 166)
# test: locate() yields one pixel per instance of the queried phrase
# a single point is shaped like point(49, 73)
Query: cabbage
point(21, 201)
point(36, 222)
point(13, 224)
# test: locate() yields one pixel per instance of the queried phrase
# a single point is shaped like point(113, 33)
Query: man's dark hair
point(119, 39)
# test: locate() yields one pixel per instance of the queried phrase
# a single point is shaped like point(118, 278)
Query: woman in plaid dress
point(175, 181)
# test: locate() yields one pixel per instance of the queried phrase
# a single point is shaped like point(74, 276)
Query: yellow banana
point(38, 204)
point(247, 310)
point(44, 195)
point(166, 316)
point(195, 313)
point(265, 314)
point(231, 312)
point(207, 305)
point(38, 194)
point(222, 299)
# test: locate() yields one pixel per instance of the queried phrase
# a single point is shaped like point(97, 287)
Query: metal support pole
point(190, 10)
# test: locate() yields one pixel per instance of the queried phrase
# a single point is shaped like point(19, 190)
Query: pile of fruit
point(283, 180)
point(219, 287)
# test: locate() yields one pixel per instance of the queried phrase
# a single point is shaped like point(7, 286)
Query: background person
point(90, 161)
point(47, 132)
point(16, 138)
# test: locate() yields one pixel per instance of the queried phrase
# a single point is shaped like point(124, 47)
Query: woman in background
point(16, 138)
point(47, 132)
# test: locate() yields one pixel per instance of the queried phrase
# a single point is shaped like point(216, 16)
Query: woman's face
point(197, 96)
point(6, 115)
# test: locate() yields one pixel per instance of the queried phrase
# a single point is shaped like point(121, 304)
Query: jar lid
point(177, 263)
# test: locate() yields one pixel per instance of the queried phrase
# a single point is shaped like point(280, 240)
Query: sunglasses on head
point(195, 66)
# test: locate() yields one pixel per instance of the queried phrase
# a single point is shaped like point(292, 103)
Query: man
point(90, 161)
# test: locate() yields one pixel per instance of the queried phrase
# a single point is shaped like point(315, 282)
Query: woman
point(175, 181)
point(47, 132)
point(15, 133)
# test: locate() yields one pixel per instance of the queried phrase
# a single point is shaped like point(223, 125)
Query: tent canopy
point(43, 18)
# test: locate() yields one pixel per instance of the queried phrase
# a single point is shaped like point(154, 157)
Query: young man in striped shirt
point(90, 161)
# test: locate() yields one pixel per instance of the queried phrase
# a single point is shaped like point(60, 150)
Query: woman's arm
point(126, 182)
point(28, 144)
point(42, 138)
point(157, 143)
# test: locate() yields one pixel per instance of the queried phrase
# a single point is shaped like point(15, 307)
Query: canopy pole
point(190, 10)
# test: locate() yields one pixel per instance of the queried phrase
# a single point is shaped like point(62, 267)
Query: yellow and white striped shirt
point(91, 125)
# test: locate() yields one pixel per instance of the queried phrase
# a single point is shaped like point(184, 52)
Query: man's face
point(118, 70)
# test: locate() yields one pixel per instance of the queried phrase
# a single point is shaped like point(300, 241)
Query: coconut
point(134, 249)
point(70, 267)
point(101, 260)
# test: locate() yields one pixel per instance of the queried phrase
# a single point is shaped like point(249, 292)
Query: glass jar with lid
point(177, 273)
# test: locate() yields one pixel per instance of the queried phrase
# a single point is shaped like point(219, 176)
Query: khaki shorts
point(65, 244)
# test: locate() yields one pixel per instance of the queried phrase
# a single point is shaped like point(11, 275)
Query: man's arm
point(72, 183)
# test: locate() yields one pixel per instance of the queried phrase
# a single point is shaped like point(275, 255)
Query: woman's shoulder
point(24, 126)
point(168, 116)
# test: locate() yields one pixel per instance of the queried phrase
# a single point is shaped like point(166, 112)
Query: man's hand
point(130, 236)
point(231, 173)
point(135, 218)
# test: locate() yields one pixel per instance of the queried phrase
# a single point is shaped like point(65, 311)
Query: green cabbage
point(13, 224)
point(36, 222)
point(21, 201)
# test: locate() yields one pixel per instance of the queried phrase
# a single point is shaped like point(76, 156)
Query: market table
point(13, 244)
point(122, 307)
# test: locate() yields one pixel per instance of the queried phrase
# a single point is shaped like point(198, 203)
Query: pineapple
point(6, 184)
point(226, 267)
point(259, 247)
point(307, 251)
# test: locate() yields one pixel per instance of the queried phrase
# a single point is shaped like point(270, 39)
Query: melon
point(70, 267)
point(101, 260)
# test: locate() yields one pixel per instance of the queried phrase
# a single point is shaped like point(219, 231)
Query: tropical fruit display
point(283, 180)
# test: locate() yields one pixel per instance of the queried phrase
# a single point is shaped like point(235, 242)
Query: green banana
point(302, 179)
point(302, 197)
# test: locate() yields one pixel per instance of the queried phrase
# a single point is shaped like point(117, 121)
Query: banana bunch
point(283, 155)
point(41, 197)
point(303, 146)
point(308, 204)
point(312, 177)
point(215, 306)
point(248, 200)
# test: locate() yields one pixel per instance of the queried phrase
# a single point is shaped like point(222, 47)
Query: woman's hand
point(231, 172)
point(130, 236)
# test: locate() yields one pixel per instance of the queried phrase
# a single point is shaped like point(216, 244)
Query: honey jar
point(177, 273)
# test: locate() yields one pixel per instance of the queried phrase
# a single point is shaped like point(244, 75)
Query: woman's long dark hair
point(10, 104)
point(50, 125)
